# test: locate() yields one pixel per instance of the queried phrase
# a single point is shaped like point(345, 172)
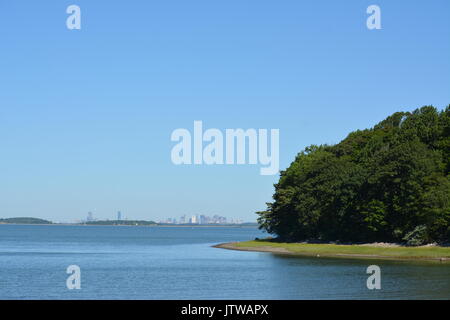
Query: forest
point(389, 183)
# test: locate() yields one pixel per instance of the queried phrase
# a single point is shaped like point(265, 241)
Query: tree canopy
point(388, 183)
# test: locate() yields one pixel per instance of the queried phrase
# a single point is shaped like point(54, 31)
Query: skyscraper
point(119, 216)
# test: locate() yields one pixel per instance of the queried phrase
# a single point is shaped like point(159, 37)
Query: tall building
point(90, 217)
point(194, 219)
point(119, 215)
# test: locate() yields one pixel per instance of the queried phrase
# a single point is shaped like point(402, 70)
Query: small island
point(24, 220)
point(119, 223)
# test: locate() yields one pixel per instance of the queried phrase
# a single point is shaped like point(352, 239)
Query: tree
point(388, 183)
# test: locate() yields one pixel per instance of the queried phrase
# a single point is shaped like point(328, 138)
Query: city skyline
point(202, 219)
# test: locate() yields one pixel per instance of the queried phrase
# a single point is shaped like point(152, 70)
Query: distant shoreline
point(129, 225)
point(120, 222)
point(364, 251)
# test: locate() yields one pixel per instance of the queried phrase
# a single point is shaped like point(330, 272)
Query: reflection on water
point(331, 278)
point(179, 263)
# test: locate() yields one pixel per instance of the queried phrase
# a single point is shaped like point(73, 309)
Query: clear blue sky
point(86, 115)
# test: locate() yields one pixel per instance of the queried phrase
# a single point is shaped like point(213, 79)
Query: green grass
point(333, 250)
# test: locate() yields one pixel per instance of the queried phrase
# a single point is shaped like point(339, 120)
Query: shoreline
point(131, 225)
point(364, 251)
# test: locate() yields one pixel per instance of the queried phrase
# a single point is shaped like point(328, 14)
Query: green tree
point(388, 183)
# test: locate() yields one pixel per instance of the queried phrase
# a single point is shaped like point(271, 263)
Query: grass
point(356, 251)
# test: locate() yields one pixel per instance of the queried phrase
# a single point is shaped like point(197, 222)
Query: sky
point(86, 115)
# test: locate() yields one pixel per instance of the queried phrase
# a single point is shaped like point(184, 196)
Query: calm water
point(179, 263)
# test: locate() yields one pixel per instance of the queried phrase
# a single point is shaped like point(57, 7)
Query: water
point(179, 263)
